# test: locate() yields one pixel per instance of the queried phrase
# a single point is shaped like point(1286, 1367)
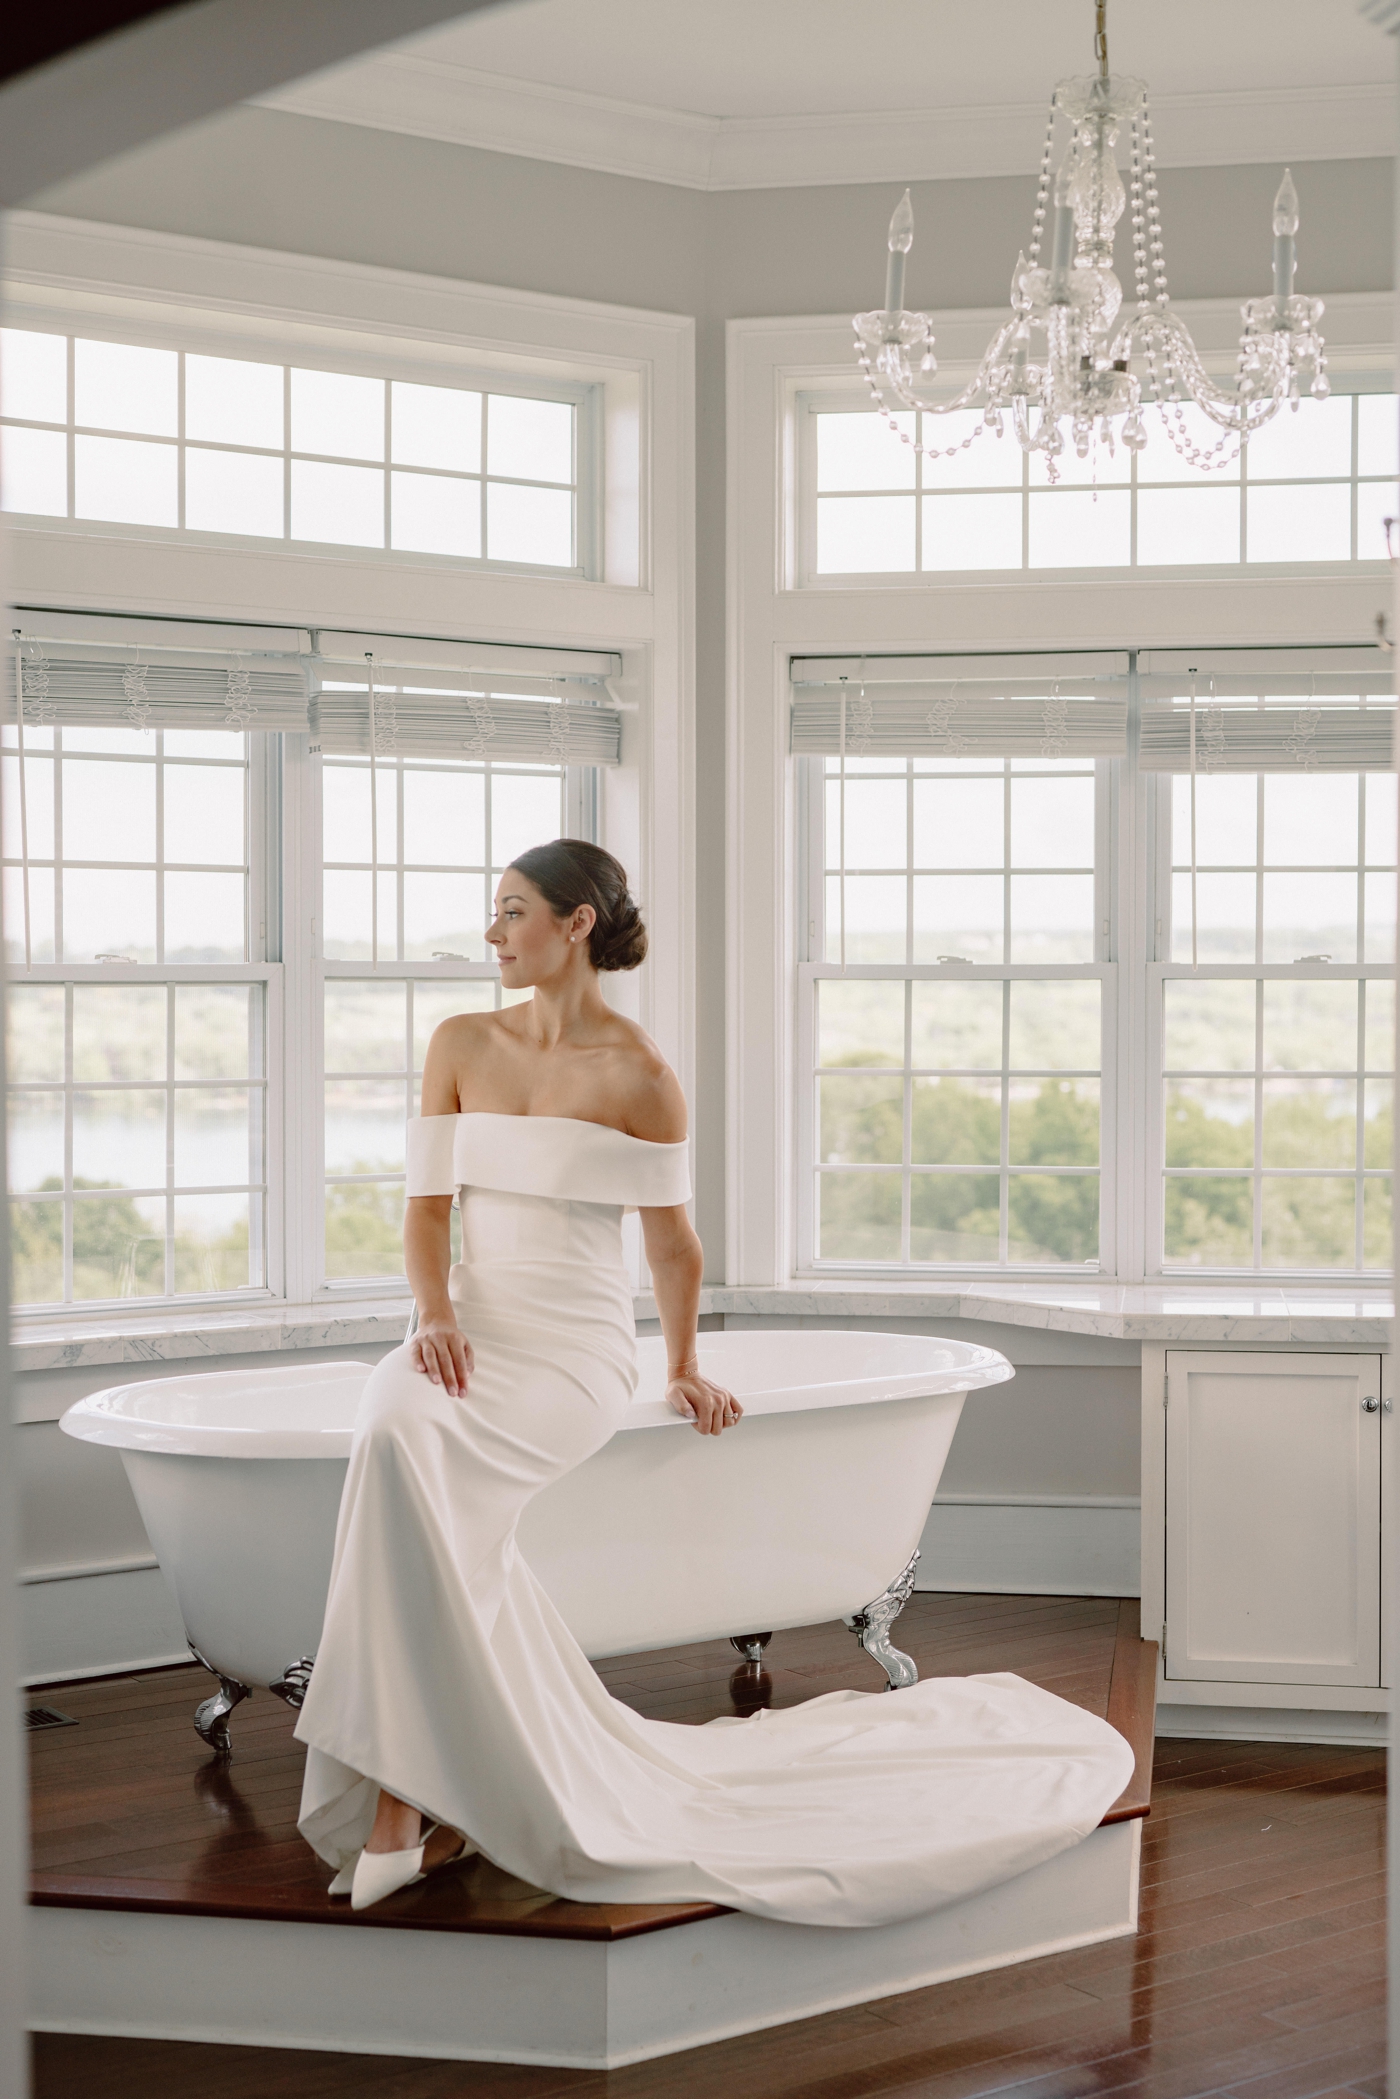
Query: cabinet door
point(1273, 1519)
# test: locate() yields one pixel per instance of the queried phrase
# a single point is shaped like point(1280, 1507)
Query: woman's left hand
point(708, 1407)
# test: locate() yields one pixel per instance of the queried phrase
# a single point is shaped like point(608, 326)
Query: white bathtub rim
point(129, 1416)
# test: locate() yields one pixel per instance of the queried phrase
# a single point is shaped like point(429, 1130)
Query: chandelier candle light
point(1069, 362)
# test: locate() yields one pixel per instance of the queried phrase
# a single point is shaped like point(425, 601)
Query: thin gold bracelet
point(690, 1367)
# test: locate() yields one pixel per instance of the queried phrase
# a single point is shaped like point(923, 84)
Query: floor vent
point(37, 1716)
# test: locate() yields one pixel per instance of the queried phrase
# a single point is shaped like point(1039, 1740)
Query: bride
point(450, 1710)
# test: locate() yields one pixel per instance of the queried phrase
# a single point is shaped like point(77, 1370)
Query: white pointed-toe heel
point(379, 1874)
point(344, 1880)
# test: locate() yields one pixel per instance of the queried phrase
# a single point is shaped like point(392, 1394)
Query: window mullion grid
point(906, 1177)
point(907, 1188)
point(180, 440)
point(489, 844)
point(160, 846)
point(169, 1138)
point(400, 879)
point(1003, 1173)
point(67, 1197)
point(1360, 1107)
point(1257, 1173)
point(58, 931)
point(1006, 859)
point(71, 433)
point(388, 463)
point(410, 1104)
point(1352, 490)
point(485, 470)
point(286, 451)
point(1025, 510)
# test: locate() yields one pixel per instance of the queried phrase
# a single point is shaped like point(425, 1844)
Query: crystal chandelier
point(1070, 362)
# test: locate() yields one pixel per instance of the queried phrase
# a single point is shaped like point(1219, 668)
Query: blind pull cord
point(23, 798)
point(373, 822)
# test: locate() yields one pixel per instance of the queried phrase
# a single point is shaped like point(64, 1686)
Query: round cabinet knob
point(1370, 1406)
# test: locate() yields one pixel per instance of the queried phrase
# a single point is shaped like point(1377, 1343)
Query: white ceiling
point(736, 93)
point(787, 58)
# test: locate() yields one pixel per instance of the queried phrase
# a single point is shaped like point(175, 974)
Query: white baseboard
point(1025, 1547)
point(98, 1625)
point(1253, 1723)
point(575, 2003)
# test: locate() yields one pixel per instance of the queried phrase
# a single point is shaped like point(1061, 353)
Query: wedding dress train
point(446, 1674)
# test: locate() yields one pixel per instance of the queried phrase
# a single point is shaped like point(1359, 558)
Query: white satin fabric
point(446, 1674)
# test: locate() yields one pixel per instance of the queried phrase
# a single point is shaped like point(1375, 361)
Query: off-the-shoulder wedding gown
point(446, 1674)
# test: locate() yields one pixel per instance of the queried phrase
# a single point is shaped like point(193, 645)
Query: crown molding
point(432, 98)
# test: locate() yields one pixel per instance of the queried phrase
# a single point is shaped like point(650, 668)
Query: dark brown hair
point(570, 871)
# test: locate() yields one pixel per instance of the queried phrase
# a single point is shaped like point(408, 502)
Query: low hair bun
point(572, 871)
point(625, 943)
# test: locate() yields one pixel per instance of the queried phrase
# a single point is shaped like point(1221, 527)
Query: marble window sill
point(1117, 1312)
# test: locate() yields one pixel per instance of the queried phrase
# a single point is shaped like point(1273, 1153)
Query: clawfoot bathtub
point(810, 1509)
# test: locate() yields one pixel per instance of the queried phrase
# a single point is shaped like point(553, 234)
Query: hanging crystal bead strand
point(1042, 193)
point(1147, 243)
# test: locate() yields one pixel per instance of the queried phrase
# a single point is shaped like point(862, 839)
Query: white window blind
point(1263, 711)
point(100, 674)
point(433, 699)
point(380, 697)
point(1045, 707)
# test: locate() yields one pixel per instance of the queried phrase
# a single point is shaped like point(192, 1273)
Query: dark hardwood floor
point(1258, 1971)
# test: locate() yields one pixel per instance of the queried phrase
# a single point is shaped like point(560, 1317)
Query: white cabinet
point(1273, 1520)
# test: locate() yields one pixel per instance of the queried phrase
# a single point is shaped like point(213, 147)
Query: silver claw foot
point(872, 1628)
point(211, 1715)
point(750, 1645)
point(295, 1681)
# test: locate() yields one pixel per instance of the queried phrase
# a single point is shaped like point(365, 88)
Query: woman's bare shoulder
point(653, 1104)
point(454, 1044)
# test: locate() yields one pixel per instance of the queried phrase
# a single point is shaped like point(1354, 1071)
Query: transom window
point(1314, 486)
point(128, 434)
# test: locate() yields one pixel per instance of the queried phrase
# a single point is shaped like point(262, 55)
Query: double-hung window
point(981, 940)
point(1273, 991)
point(956, 1023)
point(199, 822)
point(144, 1013)
point(421, 813)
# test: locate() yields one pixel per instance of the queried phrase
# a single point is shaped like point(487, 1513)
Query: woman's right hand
point(443, 1353)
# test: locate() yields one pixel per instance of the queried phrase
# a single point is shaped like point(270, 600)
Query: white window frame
point(581, 799)
point(817, 966)
point(68, 275)
point(1160, 970)
point(775, 615)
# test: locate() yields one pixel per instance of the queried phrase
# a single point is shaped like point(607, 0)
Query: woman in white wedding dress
point(450, 1710)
